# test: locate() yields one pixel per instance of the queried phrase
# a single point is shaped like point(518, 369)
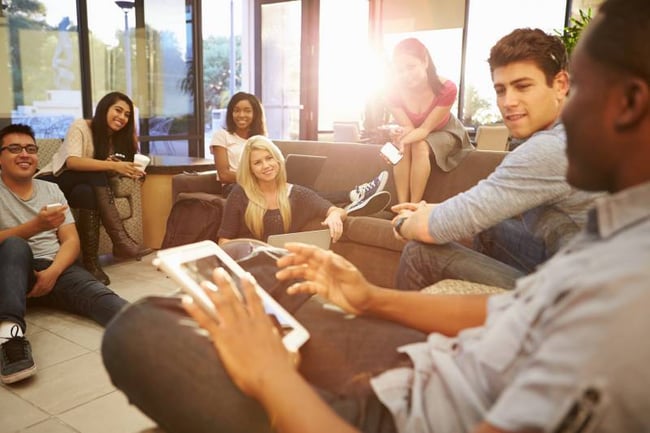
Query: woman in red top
point(421, 104)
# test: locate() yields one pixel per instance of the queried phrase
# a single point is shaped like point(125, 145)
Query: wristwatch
point(398, 226)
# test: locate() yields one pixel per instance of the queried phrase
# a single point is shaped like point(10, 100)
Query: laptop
point(304, 169)
point(319, 238)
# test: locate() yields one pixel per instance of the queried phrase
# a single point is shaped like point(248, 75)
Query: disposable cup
point(141, 161)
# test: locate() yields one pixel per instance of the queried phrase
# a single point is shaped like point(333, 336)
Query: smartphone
point(391, 153)
point(117, 157)
point(53, 205)
point(190, 265)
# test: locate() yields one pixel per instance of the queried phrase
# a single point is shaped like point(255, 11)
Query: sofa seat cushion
point(460, 287)
point(376, 232)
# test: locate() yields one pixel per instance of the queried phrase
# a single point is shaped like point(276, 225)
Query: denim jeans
point(170, 370)
point(511, 242)
point(76, 290)
point(501, 254)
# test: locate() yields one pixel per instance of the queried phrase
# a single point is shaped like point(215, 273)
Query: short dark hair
point(619, 38)
point(258, 125)
point(526, 44)
point(17, 128)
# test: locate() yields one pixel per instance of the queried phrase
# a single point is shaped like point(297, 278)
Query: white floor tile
point(66, 385)
point(109, 414)
point(16, 413)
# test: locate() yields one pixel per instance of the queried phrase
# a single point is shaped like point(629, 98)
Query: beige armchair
point(128, 197)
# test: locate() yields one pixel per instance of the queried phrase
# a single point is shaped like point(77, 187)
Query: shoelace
point(362, 189)
point(15, 348)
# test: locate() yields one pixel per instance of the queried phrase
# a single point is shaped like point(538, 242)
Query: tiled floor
point(71, 391)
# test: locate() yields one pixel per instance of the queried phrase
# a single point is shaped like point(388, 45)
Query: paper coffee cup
point(141, 161)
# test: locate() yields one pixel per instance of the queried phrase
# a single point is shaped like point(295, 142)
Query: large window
point(145, 50)
point(39, 65)
point(281, 61)
point(346, 68)
point(323, 64)
point(224, 49)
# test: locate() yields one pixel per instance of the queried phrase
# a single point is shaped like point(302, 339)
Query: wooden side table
point(157, 192)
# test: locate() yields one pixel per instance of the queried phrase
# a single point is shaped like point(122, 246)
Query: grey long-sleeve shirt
point(530, 182)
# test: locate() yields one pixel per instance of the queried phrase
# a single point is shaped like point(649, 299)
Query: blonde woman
point(262, 203)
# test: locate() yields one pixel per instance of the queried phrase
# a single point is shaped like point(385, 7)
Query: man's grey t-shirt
point(530, 181)
point(15, 211)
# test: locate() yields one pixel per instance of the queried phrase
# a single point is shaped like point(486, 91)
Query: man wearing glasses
point(39, 246)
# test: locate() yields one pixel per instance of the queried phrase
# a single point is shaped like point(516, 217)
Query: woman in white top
point(93, 150)
point(244, 119)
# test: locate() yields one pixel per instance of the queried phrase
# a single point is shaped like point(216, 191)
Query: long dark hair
point(415, 48)
point(124, 140)
point(258, 125)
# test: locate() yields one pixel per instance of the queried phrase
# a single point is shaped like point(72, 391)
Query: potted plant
point(571, 33)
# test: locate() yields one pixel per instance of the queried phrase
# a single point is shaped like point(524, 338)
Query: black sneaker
point(369, 206)
point(16, 362)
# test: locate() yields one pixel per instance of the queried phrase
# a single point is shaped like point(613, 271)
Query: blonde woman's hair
point(254, 215)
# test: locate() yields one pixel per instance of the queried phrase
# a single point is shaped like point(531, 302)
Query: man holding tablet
point(563, 352)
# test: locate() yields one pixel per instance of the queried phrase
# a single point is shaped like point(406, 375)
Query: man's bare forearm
point(446, 314)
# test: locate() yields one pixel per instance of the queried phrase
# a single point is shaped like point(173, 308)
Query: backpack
point(194, 217)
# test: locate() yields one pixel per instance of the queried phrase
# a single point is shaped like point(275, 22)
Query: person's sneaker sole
point(19, 375)
point(371, 205)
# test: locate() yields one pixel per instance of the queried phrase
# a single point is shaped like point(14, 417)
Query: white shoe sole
point(371, 205)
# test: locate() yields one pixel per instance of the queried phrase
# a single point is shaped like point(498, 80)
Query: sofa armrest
point(371, 231)
point(205, 181)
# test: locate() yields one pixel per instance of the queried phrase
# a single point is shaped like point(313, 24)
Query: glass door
point(279, 79)
point(145, 48)
point(40, 78)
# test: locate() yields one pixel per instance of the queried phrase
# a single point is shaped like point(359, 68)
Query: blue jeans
point(76, 290)
point(501, 254)
point(512, 243)
point(170, 370)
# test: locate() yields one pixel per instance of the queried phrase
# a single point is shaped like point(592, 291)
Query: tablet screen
point(201, 270)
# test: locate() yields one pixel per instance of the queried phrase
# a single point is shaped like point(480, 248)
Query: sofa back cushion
point(47, 147)
point(349, 164)
point(476, 166)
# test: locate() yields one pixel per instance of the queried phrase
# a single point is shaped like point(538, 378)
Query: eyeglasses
point(17, 148)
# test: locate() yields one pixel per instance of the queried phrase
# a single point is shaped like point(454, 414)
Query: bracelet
point(399, 224)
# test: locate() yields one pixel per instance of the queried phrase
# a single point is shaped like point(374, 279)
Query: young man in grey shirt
point(524, 211)
point(39, 246)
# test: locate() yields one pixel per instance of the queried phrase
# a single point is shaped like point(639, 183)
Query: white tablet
point(189, 265)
